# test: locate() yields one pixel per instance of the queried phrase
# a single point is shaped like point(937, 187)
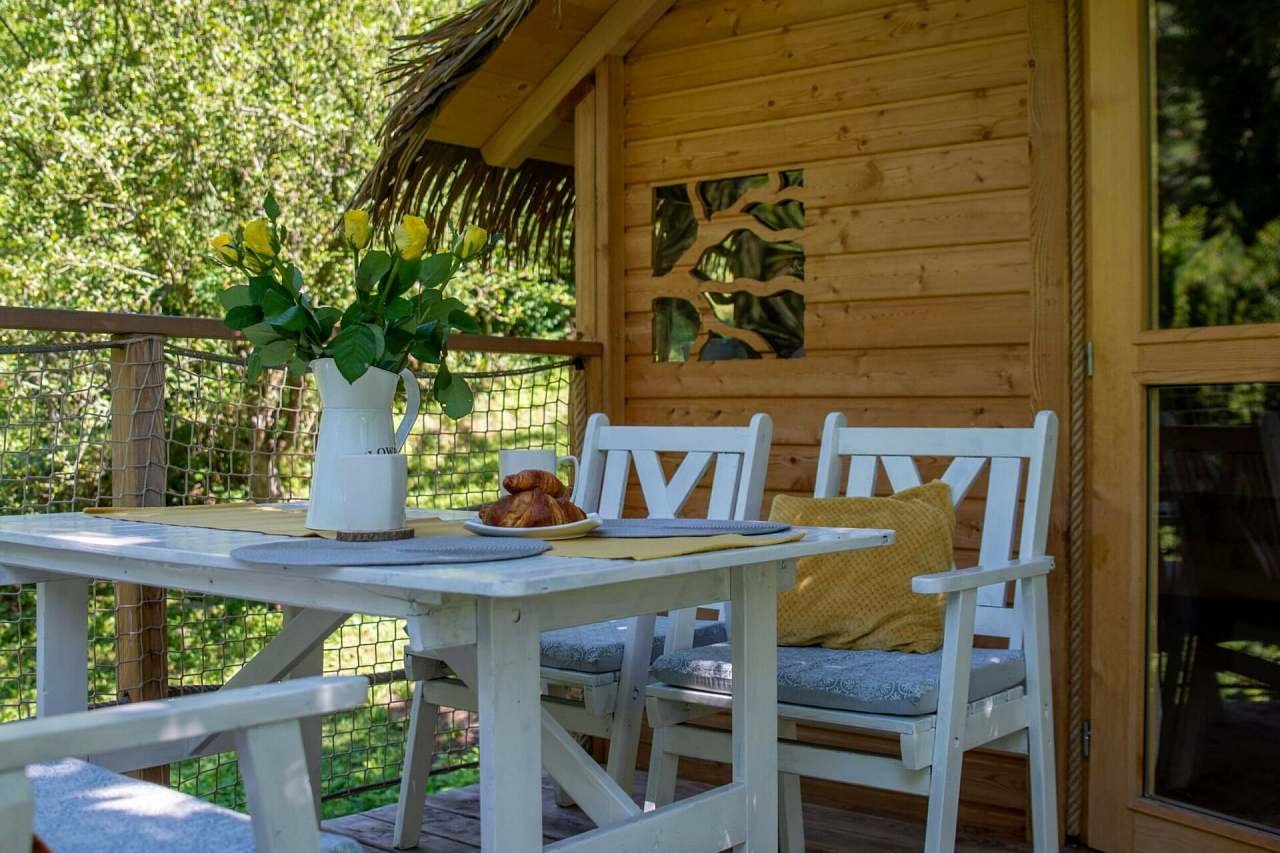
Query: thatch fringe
point(532, 206)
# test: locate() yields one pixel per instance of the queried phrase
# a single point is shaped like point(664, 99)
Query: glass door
point(1184, 457)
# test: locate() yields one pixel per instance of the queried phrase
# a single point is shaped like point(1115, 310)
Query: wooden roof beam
point(538, 114)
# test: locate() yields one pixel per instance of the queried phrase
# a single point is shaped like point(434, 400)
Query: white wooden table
point(499, 609)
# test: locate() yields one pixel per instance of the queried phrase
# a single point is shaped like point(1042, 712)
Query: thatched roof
point(531, 206)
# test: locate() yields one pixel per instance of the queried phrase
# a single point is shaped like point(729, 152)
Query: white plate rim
point(572, 530)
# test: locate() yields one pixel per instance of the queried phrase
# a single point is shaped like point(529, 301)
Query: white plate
point(573, 530)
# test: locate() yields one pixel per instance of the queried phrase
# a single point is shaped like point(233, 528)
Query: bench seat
point(84, 807)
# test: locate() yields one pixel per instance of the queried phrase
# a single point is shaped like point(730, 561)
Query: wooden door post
point(139, 459)
point(598, 241)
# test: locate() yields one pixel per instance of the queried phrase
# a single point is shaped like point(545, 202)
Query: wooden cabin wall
point(911, 123)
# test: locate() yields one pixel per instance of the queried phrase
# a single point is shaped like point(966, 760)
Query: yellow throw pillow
point(863, 599)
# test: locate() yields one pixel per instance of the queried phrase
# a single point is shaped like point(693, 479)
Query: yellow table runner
point(283, 521)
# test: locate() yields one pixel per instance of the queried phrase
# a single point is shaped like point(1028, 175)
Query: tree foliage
point(1218, 158)
point(134, 130)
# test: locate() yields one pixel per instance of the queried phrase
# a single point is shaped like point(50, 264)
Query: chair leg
point(558, 793)
point(1044, 789)
point(628, 710)
point(419, 753)
point(949, 723)
point(273, 764)
point(663, 767)
point(790, 813)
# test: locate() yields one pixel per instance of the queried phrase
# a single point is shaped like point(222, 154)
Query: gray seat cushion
point(872, 682)
point(598, 647)
point(82, 807)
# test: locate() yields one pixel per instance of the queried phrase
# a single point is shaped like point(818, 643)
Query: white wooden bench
point(75, 805)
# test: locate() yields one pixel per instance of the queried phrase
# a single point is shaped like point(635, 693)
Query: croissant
point(534, 508)
point(572, 512)
point(524, 481)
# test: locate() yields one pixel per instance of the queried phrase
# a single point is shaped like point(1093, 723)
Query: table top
point(78, 544)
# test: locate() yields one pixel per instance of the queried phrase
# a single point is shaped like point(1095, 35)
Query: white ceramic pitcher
point(355, 418)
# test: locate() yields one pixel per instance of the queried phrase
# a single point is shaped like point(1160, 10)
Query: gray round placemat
point(660, 528)
point(428, 550)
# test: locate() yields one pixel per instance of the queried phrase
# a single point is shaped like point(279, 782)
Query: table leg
point(508, 658)
point(62, 646)
point(312, 663)
point(753, 634)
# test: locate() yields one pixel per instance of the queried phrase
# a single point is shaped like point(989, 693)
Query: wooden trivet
point(375, 535)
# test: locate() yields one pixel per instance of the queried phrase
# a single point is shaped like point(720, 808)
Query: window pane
point(1214, 711)
point(1217, 126)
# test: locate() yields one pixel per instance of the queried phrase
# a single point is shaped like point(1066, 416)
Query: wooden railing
point(139, 453)
point(95, 322)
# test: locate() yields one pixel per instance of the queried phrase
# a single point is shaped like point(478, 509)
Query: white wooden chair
point(75, 805)
point(939, 705)
point(602, 661)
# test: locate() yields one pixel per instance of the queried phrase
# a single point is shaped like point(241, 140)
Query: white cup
point(373, 491)
point(514, 461)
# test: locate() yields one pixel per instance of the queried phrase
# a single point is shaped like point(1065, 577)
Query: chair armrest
point(957, 581)
point(146, 723)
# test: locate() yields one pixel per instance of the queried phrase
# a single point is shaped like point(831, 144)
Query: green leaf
point(399, 309)
point(356, 313)
point(379, 340)
point(464, 322)
point(260, 334)
point(274, 302)
point(292, 319)
point(276, 353)
point(353, 351)
point(406, 275)
point(243, 316)
point(253, 368)
point(235, 297)
point(270, 206)
point(261, 285)
point(442, 309)
point(397, 342)
point(326, 319)
point(428, 342)
point(297, 367)
point(453, 394)
point(294, 279)
point(437, 269)
point(372, 268)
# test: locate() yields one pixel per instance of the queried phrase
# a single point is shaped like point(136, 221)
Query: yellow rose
point(223, 249)
point(355, 227)
point(411, 237)
point(257, 236)
point(474, 238)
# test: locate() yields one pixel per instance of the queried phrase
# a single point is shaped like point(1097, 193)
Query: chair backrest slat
point(902, 471)
point(725, 489)
point(1002, 451)
point(961, 474)
point(612, 487)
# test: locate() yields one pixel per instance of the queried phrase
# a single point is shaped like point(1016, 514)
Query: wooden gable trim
point(538, 114)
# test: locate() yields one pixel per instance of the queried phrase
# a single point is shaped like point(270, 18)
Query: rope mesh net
point(189, 429)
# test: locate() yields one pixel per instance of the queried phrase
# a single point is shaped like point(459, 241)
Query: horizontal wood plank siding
point(910, 121)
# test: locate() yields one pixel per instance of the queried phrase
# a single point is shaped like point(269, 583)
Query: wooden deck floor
point(452, 825)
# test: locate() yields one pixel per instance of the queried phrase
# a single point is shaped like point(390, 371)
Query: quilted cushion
point(82, 807)
point(862, 599)
point(872, 682)
point(598, 647)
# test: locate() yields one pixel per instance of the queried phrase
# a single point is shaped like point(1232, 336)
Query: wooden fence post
point(139, 461)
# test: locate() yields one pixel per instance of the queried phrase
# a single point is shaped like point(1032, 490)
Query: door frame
point(1129, 358)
